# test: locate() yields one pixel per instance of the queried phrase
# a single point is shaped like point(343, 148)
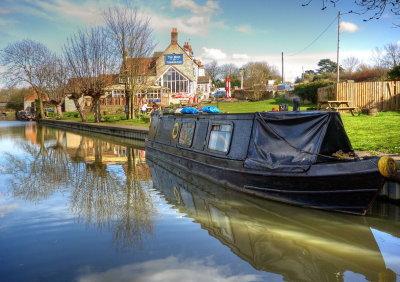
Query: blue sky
point(229, 31)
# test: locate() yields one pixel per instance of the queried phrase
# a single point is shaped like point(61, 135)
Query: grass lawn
point(113, 119)
point(380, 133)
point(259, 106)
point(376, 134)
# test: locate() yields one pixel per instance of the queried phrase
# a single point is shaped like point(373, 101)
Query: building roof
point(31, 96)
point(75, 82)
point(157, 54)
point(142, 66)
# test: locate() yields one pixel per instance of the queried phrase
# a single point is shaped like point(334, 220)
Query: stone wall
point(124, 131)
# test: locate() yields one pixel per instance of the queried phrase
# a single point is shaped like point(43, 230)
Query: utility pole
point(241, 71)
point(282, 70)
point(338, 46)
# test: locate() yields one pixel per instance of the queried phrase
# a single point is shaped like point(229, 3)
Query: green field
point(367, 133)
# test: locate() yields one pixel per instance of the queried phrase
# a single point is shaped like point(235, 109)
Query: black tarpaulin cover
point(293, 141)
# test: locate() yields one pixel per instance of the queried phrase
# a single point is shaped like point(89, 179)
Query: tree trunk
point(96, 106)
point(41, 112)
point(127, 108)
point(132, 106)
point(79, 109)
point(59, 111)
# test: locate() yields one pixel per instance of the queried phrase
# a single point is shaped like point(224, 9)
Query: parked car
point(25, 115)
point(219, 94)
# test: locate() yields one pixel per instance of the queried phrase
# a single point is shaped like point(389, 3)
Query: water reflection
point(297, 243)
point(109, 183)
point(170, 269)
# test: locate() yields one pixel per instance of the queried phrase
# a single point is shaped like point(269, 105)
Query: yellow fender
point(175, 130)
point(387, 167)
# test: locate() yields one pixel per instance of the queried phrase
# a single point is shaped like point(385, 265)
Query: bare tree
point(374, 7)
point(27, 63)
point(89, 57)
point(388, 56)
point(213, 71)
point(132, 37)
point(392, 54)
point(229, 70)
point(258, 73)
point(56, 86)
point(350, 64)
point(75, 93)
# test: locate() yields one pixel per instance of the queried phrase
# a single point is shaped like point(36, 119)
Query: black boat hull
point(349, 187)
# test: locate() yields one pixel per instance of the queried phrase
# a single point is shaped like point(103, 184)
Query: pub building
point(173, 75)
point(169, 77)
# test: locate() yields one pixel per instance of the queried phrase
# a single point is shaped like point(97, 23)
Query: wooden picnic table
point(336, 106)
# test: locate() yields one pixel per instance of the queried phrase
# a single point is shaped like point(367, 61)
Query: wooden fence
point(384, 95)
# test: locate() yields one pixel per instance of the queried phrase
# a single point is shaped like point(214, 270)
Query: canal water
point(75, 206)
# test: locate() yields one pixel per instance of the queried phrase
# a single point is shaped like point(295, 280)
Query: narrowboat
point(301, 158)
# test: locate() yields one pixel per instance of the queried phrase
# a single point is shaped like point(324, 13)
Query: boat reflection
point(297, 243)
point(108, 182)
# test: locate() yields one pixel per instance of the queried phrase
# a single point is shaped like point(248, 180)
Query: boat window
point(220, 137)
point(186, 134)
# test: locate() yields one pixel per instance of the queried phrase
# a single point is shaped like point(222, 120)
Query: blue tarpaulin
point(211, 109)
point(190, 110)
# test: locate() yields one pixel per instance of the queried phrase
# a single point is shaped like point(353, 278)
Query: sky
point(228, 31)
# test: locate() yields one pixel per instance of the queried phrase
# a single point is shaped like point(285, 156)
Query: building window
point(220, 137)
point(174, 81)
point(186, 133)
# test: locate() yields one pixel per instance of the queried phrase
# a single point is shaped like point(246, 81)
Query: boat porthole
point(175, 130)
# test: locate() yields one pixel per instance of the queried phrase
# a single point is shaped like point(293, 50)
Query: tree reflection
point(109, 183)
point(40, 172)
point(137, 208)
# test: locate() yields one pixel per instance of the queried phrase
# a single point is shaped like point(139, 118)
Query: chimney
point(174, 36)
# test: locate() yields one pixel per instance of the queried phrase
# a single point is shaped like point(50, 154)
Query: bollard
point(296, 104)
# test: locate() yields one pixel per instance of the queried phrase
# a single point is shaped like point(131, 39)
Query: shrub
point(71, 115)
point(144, 116)
point(309, 91)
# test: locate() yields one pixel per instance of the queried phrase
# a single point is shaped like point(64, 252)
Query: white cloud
point(195, 25)
point(293, 65)
point(240, 56)
point(209, 8)
point(212, 54)
point(348, 27)
point(85, 11)
point(170, 269)
point(198, 22)
point(244, 29)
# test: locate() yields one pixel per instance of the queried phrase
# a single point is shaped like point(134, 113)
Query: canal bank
point(119, 130)
point(390, 191)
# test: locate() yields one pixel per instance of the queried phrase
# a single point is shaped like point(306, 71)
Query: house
point(171, 75)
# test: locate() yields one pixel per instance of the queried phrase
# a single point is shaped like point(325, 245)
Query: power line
point(312, 42)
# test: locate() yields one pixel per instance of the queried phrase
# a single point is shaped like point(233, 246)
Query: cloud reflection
point(170, 269)
point(5, 209)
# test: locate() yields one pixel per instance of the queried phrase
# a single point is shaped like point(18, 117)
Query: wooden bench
point(351, 109)
point(336, 106)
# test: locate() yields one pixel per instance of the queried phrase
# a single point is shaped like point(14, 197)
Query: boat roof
point(274, 115)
